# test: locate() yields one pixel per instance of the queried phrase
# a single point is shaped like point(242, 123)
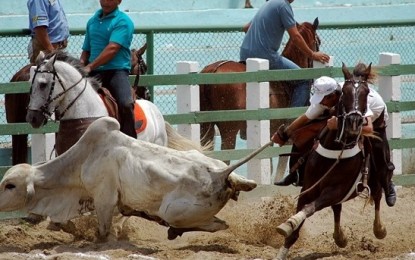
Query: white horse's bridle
point(44, 108)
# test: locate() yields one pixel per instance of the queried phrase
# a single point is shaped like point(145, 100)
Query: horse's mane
point(76, 63)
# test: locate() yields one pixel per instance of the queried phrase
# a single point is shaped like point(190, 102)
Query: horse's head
point(139, 67)
point(309, 33)
point(47, 87)
point(352, 106)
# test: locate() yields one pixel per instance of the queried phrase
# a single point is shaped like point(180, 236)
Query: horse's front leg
point(378, 228)
point(338, 235)
point(291, 228)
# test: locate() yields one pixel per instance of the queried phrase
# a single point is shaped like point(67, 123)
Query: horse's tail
point(181, 143)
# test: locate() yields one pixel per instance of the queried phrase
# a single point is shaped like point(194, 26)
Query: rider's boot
point(390, 192)
point(291, 178)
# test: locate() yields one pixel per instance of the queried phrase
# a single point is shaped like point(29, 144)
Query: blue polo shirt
point(116, 27)
point(48, 13)
point(263, 39)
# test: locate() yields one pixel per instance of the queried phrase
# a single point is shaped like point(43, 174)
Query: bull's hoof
point(173, 233)
point(285, 229)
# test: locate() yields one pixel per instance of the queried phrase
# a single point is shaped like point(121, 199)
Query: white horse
point(61, 86)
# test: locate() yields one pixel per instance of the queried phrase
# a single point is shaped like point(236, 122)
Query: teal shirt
point(116, 27)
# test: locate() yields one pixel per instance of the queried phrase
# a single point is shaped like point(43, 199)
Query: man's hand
point(87, 69)
point(280, 137)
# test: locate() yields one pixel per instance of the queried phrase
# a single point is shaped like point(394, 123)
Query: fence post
point(390, 90)
point(187, 97)
point(42, 144)
point(257, 97)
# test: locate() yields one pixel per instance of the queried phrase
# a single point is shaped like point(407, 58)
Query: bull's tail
point(181, 143)
point(228, 170)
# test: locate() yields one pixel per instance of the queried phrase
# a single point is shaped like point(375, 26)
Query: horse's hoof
point(284, 229)
point(380, 233)
point(340, 242)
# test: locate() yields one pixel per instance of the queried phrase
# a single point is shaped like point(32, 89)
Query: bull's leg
point(338, 235)
point(215, 225)
point(240, 183)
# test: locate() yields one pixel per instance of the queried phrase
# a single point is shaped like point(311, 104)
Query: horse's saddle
point(109, 102)
point(112, 108)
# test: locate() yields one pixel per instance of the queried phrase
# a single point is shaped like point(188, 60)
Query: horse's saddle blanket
point(112, 108)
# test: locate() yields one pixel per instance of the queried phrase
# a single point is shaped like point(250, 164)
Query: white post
point(188, 99)
point(42, 144)
point(257, 97)
point(390, 90)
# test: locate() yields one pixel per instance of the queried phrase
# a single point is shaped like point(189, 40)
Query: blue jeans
point(116, 81)
point(301, 88)
point(301, 92)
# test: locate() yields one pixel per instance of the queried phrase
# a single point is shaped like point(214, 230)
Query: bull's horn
point(231, 168)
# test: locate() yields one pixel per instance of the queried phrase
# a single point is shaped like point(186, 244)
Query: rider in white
point(326, 95)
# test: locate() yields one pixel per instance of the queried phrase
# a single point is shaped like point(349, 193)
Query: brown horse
point(337, 168)
point(16, 104)
point(233, 96)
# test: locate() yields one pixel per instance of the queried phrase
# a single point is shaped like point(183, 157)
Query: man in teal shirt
point(106, 55)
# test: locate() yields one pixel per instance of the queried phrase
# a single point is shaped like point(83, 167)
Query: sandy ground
point(251, 234)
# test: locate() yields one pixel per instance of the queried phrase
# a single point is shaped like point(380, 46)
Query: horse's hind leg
point(338, 235)
point(19, 149)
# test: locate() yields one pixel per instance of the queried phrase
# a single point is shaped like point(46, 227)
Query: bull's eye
point(10, 186)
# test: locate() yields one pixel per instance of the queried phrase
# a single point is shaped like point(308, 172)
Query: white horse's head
point(52, 80)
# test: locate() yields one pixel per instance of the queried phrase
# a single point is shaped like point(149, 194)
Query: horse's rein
point(141, 70)
point(356, 86)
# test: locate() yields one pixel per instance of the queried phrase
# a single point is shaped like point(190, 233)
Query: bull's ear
point(40, 57)
point(30, 189)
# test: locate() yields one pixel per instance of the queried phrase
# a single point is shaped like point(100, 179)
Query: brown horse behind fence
point(233, 96)
point(16, 104)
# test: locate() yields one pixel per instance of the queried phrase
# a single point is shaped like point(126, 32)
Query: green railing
point(233, 115)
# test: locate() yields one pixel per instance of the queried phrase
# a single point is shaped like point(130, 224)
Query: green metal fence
point(348, 43)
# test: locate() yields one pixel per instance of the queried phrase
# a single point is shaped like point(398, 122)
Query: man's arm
point(246, 27)
point(41, 35)
point(106, 55)
point(302, 45)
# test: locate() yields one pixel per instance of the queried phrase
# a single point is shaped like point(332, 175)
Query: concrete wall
point(160, 13)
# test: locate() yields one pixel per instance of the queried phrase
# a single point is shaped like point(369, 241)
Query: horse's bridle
point(44, 107)
point(344, 115)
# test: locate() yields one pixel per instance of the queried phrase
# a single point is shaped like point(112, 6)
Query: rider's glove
point(280, 137)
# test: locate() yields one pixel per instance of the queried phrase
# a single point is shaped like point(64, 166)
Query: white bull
point(105, 169)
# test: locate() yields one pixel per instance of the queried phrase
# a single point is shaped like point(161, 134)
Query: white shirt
point(375, 106)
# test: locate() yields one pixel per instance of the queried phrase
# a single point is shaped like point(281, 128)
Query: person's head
point(326, 91)
point(108, 6)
